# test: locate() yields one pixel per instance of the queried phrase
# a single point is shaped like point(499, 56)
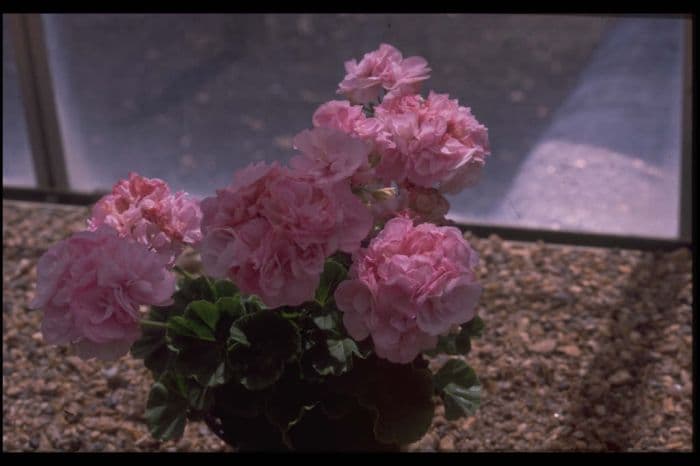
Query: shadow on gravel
point(609, 395)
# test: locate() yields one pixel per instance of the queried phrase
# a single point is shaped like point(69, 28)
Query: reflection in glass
point(191, 98)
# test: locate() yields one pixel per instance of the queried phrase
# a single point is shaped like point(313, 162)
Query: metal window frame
point(687, 187)
point(46, 142)
point(36, 84)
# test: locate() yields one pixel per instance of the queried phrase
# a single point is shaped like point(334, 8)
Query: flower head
point(330, 155)
point(431, 142)
point(410, 285)
point(90, 287)
point(144, 210)
point(271, 230)
point(384, 68)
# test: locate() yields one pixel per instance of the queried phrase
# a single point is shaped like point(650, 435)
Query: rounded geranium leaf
point(288, 400)
point(333, 273)
point(475, 327)
point(151, 345)
point(272, 342)
point(402, 397)
point(225, 288)
point(459, 388)
point(166, 412)
point(203, 311)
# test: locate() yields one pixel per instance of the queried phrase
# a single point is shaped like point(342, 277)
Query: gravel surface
point(584, 349)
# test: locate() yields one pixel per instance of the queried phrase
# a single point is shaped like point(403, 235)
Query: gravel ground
point(584, 349)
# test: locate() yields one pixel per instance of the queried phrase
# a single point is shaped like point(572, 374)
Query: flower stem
point(153, 323)
point(183, 272)
point(210, 284)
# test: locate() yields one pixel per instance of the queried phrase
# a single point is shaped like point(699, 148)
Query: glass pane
point(583, 112)
point(17, 169)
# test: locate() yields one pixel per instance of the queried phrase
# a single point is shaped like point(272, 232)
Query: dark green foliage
point(290, 378)
point(270, 342)
point(333, 273)
point(459, 388)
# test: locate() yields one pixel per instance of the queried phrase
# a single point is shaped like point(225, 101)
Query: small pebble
point(620, 377)
point(543, 346)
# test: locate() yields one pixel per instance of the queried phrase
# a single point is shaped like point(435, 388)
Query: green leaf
point(181, 326)
point(151, 345)
point(336, 405)
point(253, 303)
point(333, 273)
point(197, 358)
point(455, 371)
point(289, 399)
point(475, 327)
point(193, 290)
point(235, 400)
point(343, 258)
point(238, 337)
point(401, 395)
point(272, 342)
point(453, 343)
point(200, 398)
point(459, 388)
point(342, 350)
point(225, 288)
point(220, 376)
point(326, 363)
point(326, 322)
point(206, 312)
point(230, 306)
point(166, 412)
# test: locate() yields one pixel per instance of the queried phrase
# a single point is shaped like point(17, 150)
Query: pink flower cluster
point(271, 230)
point(90, 287)
point(412, 284)
point(432, 142)
point(146, 211)
point(386, 69)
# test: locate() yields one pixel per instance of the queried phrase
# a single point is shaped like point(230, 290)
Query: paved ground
point(190, 99)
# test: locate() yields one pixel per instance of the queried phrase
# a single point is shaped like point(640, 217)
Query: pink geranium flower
point(271, 230)
point(410, 285)
point(90, 287)
point(384, 68)
point(144, 210)
point(433, 142)
point(330, 155)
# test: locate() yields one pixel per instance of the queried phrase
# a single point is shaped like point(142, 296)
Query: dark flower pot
point(314, 432)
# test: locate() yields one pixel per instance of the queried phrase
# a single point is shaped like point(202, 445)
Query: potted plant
point(326, 283)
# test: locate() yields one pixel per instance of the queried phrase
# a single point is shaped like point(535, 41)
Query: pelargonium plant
point(326, 283)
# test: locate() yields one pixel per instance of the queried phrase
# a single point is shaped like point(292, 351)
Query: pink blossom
point(144, 210)
point(350, 119)
point(433, 142)
point(272, 228)
point(384, 68)
point(330, 155)
point(410, 285)
point(338, 114)
point(90, 287)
